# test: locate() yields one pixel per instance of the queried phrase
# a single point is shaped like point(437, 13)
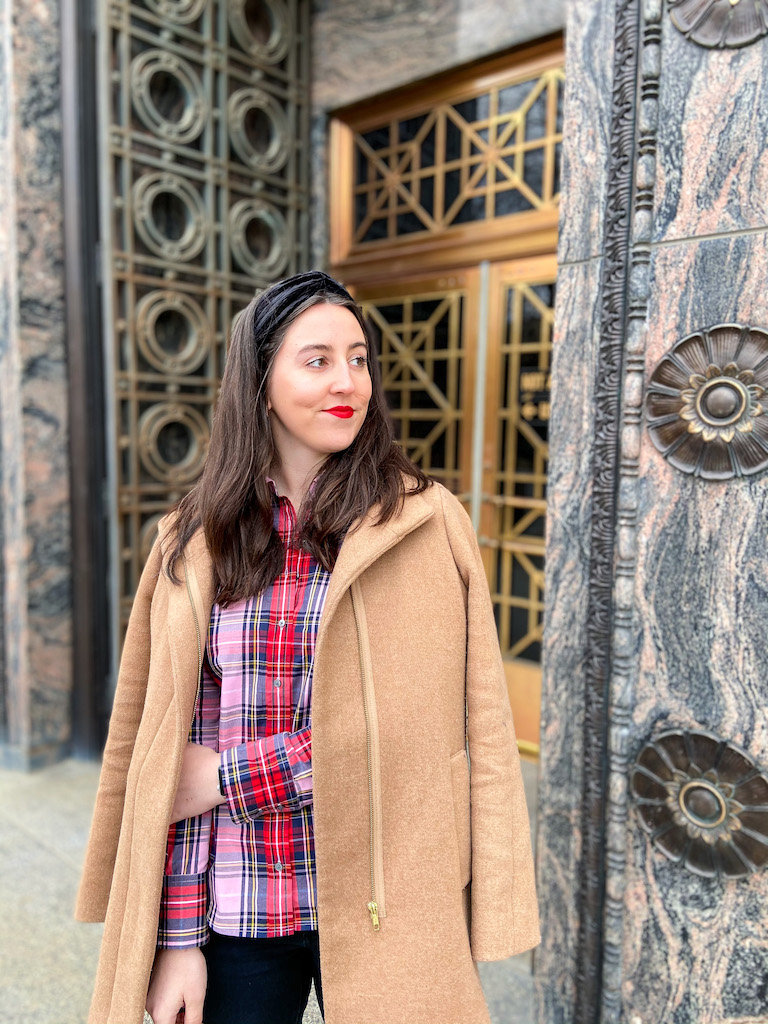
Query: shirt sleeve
point(273, 773)
point(184, 902)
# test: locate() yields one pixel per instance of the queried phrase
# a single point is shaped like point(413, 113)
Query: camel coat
point(407, 636)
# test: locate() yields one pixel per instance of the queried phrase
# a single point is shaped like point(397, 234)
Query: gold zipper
point(199, 644)
point(375, 906)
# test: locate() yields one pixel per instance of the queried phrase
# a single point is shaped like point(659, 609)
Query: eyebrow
point(319, 347)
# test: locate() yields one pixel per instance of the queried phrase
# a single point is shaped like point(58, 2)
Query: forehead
point(324, 324)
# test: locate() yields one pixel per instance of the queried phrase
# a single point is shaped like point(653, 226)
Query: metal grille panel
point(205, 126)
point(476, 158)
point(521, 411)
point(422, 353)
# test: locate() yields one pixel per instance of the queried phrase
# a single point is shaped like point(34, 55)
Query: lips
point(342, 411)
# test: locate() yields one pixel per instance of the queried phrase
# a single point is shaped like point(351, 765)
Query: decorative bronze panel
point(704, 803)
point(205, 140)
point(721, 23)
point(422, 351)
point(519, 410)
point(703, 404)
point(482, 155)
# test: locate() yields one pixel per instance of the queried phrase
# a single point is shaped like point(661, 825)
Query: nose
point(343, 383)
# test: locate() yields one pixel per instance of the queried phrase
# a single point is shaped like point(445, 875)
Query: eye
point(317, 361)
point(359, 360)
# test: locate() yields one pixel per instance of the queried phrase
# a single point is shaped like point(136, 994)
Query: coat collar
point(364, 544)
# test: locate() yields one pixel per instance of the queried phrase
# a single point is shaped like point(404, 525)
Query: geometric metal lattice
point(422, 356)
point(478, 157)
point(205, 127)
point(520, 468)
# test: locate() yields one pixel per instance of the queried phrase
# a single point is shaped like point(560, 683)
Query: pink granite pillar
point(657, 576)
point(35, 670)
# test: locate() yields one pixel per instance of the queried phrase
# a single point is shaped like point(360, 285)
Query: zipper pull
point(373, 910)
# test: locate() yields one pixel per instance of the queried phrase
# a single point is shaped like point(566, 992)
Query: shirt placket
point(281, 694)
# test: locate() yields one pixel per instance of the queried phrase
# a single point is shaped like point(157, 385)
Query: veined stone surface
point(712, 172)
point(690, 610)
point(36, 566)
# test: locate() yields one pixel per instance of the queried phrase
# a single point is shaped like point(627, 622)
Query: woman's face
point(319, 388)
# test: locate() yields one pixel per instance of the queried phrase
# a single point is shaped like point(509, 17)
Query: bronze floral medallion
point(728, 23)
point(704, 803)
point(703, 404)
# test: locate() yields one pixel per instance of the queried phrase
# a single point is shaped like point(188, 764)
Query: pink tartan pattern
point(248, 868)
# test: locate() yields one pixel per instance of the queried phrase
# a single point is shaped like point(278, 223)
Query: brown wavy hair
point(232, 500)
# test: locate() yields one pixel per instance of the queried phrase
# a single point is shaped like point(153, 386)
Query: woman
point(318, 611)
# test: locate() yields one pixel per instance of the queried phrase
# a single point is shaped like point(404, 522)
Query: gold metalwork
point(467, 163)
point(206, 170)
point(519, 409)
point(479, 157)
point(423, 352)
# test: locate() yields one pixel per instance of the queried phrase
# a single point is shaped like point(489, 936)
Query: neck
point(293, 480)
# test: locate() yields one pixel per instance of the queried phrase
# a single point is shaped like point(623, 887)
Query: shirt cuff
point(258, 777)
point(183, 912)
point(298, 749)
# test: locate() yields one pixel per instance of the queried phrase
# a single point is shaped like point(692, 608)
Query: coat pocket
point(461, 815)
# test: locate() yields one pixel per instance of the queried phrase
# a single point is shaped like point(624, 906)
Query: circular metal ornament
point(704, 406)
point(168, 96)
point(261, 27)
point(720, 23)
point(173, 441)
point(259, 237)
point(181, 11)
point(170, 216)
point(172, 332)
point(704, 802)
point(258, 129)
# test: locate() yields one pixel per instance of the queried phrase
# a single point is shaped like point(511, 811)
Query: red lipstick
point(342, 411)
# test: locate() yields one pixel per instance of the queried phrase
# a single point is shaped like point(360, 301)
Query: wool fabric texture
point(457, 859)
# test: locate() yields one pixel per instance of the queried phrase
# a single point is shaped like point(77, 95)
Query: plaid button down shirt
point(248, 867)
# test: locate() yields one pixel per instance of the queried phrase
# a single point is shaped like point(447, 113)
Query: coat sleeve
point(504, 912)
point(96, 880)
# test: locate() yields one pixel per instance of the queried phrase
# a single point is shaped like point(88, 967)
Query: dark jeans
point(261, 981)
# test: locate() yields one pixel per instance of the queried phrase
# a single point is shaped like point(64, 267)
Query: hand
point(177, 987)
point(198, 789)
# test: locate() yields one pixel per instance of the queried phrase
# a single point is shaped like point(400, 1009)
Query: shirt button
point(278, 682)
point(282, 623)
point(278, 866)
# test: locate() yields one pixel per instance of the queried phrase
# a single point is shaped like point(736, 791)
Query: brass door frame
point(495, 238)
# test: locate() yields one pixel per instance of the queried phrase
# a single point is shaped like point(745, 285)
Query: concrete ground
point(48, 960)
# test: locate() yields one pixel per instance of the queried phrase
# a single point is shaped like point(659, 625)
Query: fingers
point(192, 1014)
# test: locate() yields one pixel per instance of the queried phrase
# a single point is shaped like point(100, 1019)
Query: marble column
point(35, 670)
point(657, 617)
